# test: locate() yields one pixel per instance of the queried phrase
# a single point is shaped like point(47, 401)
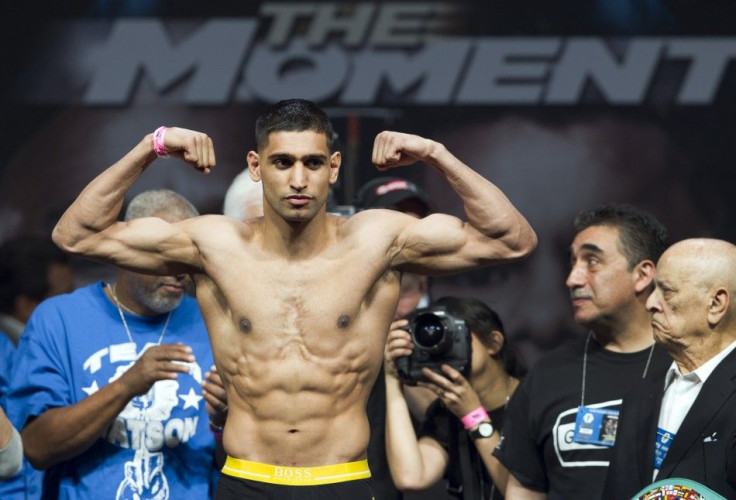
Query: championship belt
point(676, 488)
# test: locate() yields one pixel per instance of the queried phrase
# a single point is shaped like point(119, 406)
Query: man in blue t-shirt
point(108, 388)
point(11, 448)
point(32, 269)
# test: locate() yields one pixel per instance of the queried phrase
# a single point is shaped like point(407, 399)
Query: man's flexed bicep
point(148, 245)
point(89, 227)
point(494, 232)
point(442, 244)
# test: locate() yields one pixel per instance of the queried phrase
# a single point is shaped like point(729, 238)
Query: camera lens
point(429, 331)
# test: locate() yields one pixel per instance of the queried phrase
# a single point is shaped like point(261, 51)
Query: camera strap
point(461, 482)
point(454, 467)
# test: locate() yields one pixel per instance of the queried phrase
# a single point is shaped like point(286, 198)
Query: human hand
point(160, 362)
point(6, 429)
point(453, 389)
point(215, 397)
point(398, 344)
point(394, 149)
point(191, 146)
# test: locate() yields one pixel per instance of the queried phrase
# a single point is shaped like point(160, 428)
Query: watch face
point(485, 429)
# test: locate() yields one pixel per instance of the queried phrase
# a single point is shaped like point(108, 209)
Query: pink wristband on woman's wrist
point(474, 418)
point(158, 143)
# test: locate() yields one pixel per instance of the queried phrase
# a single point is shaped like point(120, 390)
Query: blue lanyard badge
point(596, 426)
point(662, 446)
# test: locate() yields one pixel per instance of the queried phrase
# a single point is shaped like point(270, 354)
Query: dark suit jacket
point(698, 452)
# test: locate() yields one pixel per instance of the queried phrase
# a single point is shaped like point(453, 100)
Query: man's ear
point(335, 162)
point(643, 276)
point(254, 165)
point(718, 305)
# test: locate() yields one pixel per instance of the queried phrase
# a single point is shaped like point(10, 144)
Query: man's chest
point(576, 422)
point(327, 290)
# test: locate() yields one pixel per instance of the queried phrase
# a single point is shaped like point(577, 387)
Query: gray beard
point(161, 304)
point(157, 301)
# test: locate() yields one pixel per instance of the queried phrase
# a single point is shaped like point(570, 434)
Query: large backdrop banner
point(563, 105)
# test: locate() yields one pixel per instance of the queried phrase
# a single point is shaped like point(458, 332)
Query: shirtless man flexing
point(297, 302)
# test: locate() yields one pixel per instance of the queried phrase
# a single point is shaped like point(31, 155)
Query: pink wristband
point(474, 418)
point(158, 143)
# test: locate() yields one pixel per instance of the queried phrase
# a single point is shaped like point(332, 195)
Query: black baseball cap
point(392, 192)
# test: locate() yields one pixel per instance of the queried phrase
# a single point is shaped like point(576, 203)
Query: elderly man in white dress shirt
point(679, 427)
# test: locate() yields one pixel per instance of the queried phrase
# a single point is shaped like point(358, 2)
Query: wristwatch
point(484, 430)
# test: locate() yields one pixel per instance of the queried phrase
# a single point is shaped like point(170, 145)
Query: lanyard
point(585, 366)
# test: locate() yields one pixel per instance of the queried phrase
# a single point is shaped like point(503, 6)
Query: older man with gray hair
point(677, 428)
point(111, 398)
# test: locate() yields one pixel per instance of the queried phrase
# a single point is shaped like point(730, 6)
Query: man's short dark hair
point(482, 320)
point(641, 236)
point(24, 268)
point(293, 115)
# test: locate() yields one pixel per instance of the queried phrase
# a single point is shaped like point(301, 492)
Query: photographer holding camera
point(434, 348)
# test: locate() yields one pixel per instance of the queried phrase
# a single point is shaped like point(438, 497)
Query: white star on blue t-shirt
point(191, 400)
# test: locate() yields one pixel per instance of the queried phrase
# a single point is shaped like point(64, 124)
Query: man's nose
point(575, 278)
point(298, 179)
point(652, 303)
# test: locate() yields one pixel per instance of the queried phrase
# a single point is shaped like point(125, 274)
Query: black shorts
point(235, 488)
point(241, 479)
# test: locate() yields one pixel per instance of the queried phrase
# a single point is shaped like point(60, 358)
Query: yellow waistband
point(296, 476)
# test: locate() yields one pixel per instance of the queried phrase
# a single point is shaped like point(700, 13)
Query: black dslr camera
point(438, 338)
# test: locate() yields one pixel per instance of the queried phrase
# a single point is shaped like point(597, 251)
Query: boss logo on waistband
point(292, 473)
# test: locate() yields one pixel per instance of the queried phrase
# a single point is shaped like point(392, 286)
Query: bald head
point(702, 262)
point(692, 306)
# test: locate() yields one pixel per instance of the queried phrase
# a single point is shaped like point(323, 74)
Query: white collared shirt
point(681, 391)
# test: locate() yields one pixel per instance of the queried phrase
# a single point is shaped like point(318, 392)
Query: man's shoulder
point(71, 300)
point(725, 370)
point(53, 317)
point(377, 218)
point(219, 230)
point(553, 371)
point(206, 219)
point(373, 228)
point(728, 361)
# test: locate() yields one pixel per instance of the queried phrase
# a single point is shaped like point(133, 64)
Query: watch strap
point(476, 433)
